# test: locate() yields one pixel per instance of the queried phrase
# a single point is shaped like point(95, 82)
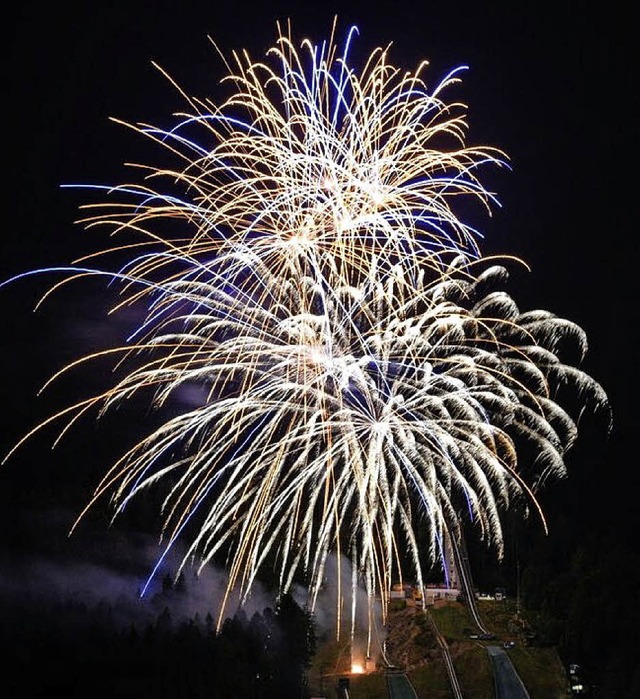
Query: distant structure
point(449, 589)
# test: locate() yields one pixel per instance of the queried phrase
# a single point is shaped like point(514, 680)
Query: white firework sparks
point(366, 377)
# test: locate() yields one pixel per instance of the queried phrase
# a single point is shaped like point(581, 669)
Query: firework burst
point(368, 381)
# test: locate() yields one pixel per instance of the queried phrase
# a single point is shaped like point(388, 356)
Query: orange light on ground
point(357, 669)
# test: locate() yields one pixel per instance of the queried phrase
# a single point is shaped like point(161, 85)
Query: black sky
point(552, 86)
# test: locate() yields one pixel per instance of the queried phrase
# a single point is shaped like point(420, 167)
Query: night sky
point(551, 87)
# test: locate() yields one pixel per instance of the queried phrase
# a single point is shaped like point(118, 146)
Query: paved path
point(507, 681)
point(399, 686)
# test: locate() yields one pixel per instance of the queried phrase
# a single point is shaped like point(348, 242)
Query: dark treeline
point(585, 597)
point(72, 650)
point(579, 586)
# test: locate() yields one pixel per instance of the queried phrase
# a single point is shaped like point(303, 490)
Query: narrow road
point(399, 686)
point(446, 657)
point(507, 681)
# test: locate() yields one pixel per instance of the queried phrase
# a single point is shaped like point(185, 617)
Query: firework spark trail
point(368, 381)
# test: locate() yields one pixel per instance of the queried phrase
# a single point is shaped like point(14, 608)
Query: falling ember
point(367, 384)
